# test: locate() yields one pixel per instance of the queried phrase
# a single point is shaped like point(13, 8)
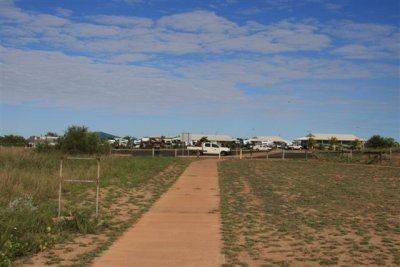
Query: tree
point(52, 134)
point(377, 141)
point(12, 140)
point(333, 142)
point(78, 140)
point(202, 140)
point(311, 143)
point(356, 144)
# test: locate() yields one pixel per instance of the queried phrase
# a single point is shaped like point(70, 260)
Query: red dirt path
point(181, 229)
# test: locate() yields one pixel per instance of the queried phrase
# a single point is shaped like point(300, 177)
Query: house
point(34, 141)
point(323, 139)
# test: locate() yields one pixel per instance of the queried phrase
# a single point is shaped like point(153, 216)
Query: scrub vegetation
point(29, 204)
point(309, 213)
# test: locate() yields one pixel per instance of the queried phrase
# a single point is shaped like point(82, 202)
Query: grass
point(29, 202)
point(309, 213)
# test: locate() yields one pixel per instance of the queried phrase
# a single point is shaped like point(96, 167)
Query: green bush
point(78, 140)
point(12, 140)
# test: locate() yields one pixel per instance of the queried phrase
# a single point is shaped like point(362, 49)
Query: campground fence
point(378, 156)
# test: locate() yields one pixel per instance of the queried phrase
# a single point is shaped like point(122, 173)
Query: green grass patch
point(29, 197)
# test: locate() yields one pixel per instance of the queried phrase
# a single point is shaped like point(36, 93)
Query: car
point(295, 147)
point(262, 148)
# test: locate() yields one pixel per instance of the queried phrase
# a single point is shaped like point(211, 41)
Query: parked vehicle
point(119, 142)
point(295, 147)
point(262, 147)
point(208, 148)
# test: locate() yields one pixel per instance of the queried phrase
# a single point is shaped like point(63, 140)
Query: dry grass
point(291, 213)
point(29, 194)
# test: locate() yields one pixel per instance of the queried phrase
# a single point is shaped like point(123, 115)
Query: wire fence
point(383, 156)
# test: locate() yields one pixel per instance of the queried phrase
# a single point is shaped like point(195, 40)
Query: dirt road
point(181, 229)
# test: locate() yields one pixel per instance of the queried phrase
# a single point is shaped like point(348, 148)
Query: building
point(34, 141)
point(324, 140)
point(191, 139)
point(273, 139)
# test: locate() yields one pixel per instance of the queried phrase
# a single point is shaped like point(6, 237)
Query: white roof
point(269, 138)
point(327, 137)
point(213, 137)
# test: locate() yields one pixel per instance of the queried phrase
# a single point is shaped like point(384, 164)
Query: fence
point(235, 153)
point(62, 180)
point(387, 156)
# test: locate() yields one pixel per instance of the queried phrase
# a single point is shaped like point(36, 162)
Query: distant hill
point(105, 136)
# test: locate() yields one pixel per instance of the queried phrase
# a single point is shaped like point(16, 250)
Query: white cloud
point(127, 58)
point(46, 78)
point(197, 22)
point(365, 40)
point(62, 12)
point(52, 78)
point(8, 12)
point(123, 21)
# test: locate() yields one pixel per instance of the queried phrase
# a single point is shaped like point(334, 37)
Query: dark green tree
point(13, 140)
point(377, 141)
point(78, 140)
point(52, 134)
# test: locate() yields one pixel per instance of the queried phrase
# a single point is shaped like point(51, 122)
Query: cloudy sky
point(236, 67)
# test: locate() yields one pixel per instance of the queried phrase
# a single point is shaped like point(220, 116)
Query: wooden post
point(176, 152)
point(97, 181)
point(283, 154)
point(152, 152)
point(241, 154)
point(267, 156)
point(60, 187)
point(98, 187)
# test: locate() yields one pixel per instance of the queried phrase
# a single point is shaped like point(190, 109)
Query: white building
point(33, 141)
point(191, 139)
point(323, 139)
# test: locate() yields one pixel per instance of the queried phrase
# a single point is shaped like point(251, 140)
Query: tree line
point(79, 140)
point(76, 140)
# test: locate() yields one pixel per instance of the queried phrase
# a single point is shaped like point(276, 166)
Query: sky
point(236, 67)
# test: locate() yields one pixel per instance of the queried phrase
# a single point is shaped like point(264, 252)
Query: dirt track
point(181, 229)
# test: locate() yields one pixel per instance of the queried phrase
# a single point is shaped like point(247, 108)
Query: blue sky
point(236, 67)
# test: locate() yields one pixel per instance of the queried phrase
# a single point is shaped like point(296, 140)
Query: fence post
point(267, 156)
point(152, 152)
point(241, 154)
point(97, 181)
point(60, 187)
point(98, 187)
point(176, 152)
point(283, 154)
point(390, 154)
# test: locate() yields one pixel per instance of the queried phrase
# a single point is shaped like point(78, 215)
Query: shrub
point(78, 140)
point(12, 140)
point(378, 141)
